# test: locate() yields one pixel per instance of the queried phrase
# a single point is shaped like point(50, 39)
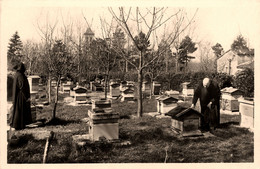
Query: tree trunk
point(56, 99)
point(106, 84)
point(140, 82)
point(140, 98)
point(126, 66)
point(49, 89)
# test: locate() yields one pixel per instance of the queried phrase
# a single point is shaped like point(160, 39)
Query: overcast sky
point(214, 22)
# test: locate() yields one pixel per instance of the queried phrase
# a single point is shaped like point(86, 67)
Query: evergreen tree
point(14, 53)
point(218, 50)
point(240, 45)
point(186, 47)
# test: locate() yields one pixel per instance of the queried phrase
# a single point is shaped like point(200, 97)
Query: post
point(229, 66)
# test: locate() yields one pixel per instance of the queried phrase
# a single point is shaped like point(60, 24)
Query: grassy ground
point(152, 140)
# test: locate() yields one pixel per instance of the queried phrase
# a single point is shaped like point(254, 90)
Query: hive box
point(165, 104)
point(101, 104)
point(34, 85)
point(187, 90)
point(103, 124)
point(40, 87)
point(128, 95)
point(229, 99)
point(115, 90)
point(146, 87)
point(246, 111)
point(80, 95)
point(185, 121)
point(66, 87)
point(53, 83)
point(156, 88)
point(172, 93)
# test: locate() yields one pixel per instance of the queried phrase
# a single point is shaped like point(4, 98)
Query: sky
point(216, 21)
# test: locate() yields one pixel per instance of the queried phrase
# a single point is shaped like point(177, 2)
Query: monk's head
point(20, 67)
point(206, 82)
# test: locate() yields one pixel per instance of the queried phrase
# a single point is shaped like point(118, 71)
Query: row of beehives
point(231, 100)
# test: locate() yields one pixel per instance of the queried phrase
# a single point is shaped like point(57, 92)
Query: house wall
point(223, 62)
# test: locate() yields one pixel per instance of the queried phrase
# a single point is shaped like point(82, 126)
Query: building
point(89, 36)
point(232, 62)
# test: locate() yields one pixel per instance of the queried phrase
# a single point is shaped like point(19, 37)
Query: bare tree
point(46, 31)
point(207, 57)
point(148, 22)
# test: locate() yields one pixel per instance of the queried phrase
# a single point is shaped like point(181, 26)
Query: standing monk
point(21, 115)
point(209, 94)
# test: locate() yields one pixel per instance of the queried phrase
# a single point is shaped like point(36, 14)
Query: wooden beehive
point(34, 86)
point(185, 120)
point(115, 90)
point(246, 110)
point(103, 124)
point(101, 104)
point(187, 90)
point(53, 83)
point(165, 104)
point(128, 95)
point(156, 88)
point(66, 87)
point(34, 83)
point(146, 87)
point(172, 93)
point(229, 100)
point(80, 95)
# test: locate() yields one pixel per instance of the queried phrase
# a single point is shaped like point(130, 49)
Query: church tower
point(89, 35)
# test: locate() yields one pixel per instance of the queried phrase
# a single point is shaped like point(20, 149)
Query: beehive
point(165, 104)
point(185, 120)
point(103, 122)
point(146, 87)
point(114, 89)
point(246, 111)
point(229, 100)
point(156, 88)
point(187, 90)
point(80, 95)
point(128, 95)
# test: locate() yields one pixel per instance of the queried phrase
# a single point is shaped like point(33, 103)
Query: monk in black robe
point(209, 94)
point(21, 114)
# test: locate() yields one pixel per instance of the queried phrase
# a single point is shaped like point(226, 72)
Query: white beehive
point(165, 104)
point(246, 110)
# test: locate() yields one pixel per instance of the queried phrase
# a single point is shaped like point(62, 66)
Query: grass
point(151, 139)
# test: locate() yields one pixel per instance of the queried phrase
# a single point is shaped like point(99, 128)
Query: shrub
point(131, 76)
point(223, 79)
point(244, 81)
point(173, 81)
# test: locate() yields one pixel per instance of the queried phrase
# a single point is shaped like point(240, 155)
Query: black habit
point(21, 114)
point(206, 95)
